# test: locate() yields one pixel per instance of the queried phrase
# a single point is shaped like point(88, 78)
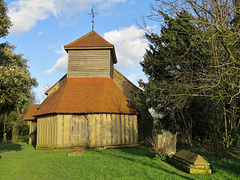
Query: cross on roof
point(93, 15)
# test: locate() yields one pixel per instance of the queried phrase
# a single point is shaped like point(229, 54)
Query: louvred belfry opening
point(90, 56)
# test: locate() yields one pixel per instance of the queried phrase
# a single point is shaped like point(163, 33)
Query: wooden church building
point(92, 106)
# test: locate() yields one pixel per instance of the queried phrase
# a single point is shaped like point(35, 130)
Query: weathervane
point(93, 15)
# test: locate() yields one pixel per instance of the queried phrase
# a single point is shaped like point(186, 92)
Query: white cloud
point(129, 43)
point(24, 14)
point(109, 3)
point(61, 64)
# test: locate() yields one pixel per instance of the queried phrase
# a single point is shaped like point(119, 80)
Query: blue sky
point(41, 27)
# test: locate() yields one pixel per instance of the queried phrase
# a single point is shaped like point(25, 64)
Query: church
point(92, 105)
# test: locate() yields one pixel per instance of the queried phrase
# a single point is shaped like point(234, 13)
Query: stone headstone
point(190, 162)
point(167, 142)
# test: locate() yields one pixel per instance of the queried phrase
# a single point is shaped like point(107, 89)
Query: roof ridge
point(86, 35)
point(78, 39)
point(103, 38)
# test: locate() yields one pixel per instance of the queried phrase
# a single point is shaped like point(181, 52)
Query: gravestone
point(167, 142)
point(190, 162)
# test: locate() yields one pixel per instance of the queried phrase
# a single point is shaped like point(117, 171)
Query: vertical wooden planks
point(127, 128)
point(131, 129)
point(56, 119)
point(88, 129)
point(54, 130)
point(118, 128)
point(82, 130)
point(30, 131)
point(44, 131)
point(51, 130)
point(92, 130)
point(74, 126)
point(71, 129)
point(135, 129)
point(104, 130)
point(114, 130)
point(122, 129)
point(48, 124)
point(60, 128)
point(38, 131)
point(101, 129)
point(109, 127)
point(66, 129)
point(98, 130)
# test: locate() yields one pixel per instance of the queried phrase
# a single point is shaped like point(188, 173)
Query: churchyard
point(22, 161)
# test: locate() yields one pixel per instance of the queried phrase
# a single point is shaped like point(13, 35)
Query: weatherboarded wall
point(94, 130)
point(89, 63)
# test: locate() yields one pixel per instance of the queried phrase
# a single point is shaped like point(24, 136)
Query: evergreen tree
point(172, 63)
point(194, 65)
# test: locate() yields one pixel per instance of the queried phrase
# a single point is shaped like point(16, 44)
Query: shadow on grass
point(229, 160)
point(5, 147)
point(145, 153)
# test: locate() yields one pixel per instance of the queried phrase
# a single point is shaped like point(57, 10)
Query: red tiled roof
point(31, 111)
point(87, 95)
point(92, 39)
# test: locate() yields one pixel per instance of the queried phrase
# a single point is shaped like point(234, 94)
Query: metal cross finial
point(93, 15)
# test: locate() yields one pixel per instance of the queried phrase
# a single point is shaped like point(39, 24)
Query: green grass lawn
point(21, 161)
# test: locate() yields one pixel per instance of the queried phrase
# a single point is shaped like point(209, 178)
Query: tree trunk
point(214, 138)
point(226, 128)
point(4, 140)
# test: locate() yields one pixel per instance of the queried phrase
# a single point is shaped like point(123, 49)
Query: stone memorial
point(190, 162)
point(167, 142)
